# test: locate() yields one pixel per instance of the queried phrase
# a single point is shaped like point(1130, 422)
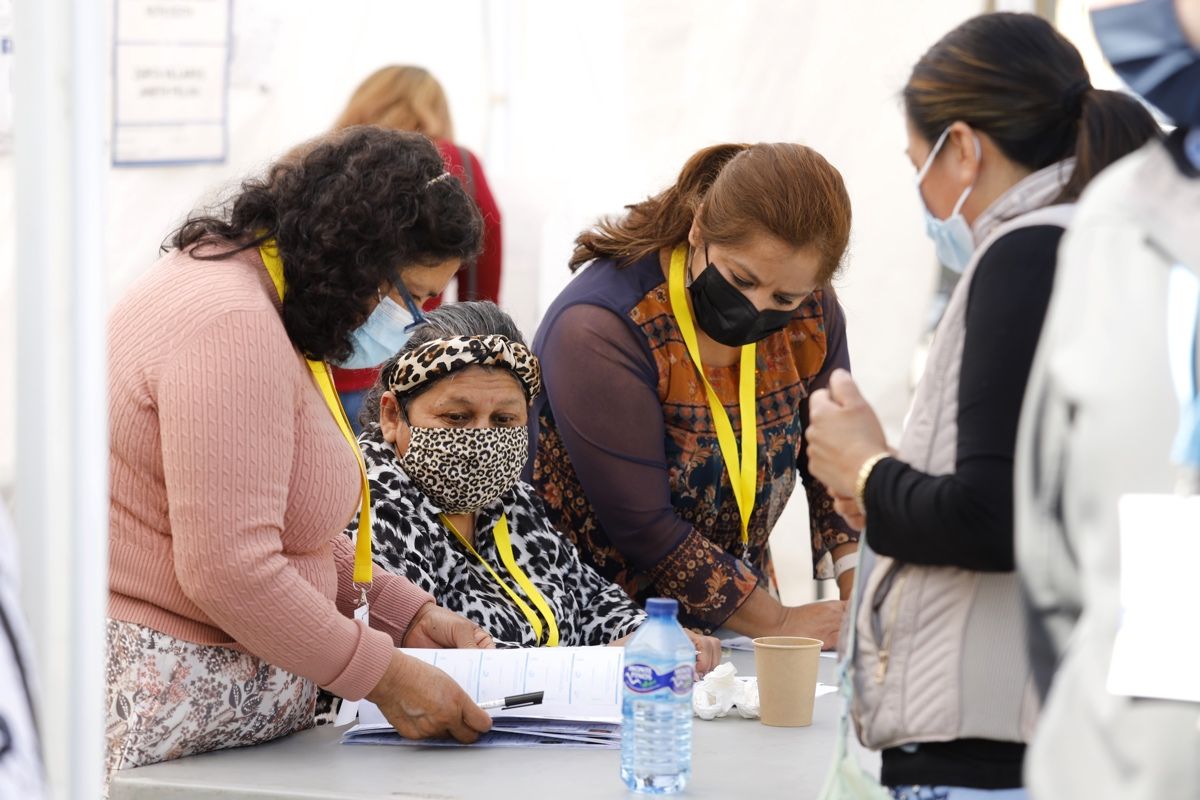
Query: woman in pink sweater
point(232, 588)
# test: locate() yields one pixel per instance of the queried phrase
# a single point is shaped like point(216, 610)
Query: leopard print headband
point(440, 357)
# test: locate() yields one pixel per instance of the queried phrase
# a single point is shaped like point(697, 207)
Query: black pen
point(515, 701)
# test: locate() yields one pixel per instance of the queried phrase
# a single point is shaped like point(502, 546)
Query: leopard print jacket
point(409, 540)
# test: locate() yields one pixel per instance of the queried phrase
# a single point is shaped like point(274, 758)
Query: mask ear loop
point(402, 408)
point(399, 399)
point(413, 308)
point(417, 314)
point(688, 280)
point(962, 198)
point(937, 146)
point(401, 417)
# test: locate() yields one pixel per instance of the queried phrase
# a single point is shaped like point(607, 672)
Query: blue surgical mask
point(1146, 46)
point(952, 236)
point(384, 332)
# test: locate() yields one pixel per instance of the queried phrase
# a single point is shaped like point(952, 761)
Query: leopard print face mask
point(464, 469)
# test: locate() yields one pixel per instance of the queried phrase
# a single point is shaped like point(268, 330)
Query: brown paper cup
point(787, 678)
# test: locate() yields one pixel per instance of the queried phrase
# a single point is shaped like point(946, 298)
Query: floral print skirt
point(168, 698)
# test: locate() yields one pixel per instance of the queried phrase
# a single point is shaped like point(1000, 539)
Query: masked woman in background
point(410, 98)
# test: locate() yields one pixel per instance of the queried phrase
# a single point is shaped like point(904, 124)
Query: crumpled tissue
point(722, 690)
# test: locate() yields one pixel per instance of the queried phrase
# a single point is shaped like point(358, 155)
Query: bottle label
point(642, 679)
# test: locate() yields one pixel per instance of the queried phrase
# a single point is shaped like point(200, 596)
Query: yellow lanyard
point(324, 379)
point(743, 469)
point(504, 547)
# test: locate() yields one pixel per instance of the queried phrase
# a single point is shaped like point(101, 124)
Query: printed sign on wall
point(170, 81)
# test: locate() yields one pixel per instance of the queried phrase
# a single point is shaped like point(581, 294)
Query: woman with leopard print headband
point(445, 440)
point(440, 357)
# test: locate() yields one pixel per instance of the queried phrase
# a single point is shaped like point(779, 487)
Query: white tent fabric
point(576, 108)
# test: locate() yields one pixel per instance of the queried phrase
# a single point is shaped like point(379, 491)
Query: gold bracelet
point(864, 474)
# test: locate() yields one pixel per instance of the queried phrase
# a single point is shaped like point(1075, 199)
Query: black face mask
point(727, 315)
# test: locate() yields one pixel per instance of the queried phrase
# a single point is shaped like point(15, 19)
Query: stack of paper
point(581, 706)
point(733, 642)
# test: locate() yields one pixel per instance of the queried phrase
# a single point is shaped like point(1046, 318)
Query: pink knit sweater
point(231, 483)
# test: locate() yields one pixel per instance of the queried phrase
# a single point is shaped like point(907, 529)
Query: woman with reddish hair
point(677, 371)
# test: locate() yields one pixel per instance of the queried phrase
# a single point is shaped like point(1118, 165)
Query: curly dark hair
point(468, 318)
point(349, 212)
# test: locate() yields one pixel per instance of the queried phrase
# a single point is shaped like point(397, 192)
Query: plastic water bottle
point(656, 733)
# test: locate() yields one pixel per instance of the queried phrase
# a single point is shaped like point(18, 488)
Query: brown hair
point(733, 191)
point(1017, 79)
point(402, 98)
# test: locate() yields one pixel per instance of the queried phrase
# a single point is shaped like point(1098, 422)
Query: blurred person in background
point(233, 471)
point(1005, 130)
point(678, 365)
point(1112, 414)
point(22, 773)
point(409, 98)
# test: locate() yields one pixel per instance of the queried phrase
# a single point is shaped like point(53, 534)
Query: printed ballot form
point(581, 703)
point(1156, 653)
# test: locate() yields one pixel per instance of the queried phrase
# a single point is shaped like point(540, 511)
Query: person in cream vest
point(1004, 130)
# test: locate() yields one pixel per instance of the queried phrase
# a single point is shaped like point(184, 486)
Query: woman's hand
point(440, 628)
point(821, 620)
point(422, 702)
point(763, 615)
point(708, 651)
point(847, 508)
point(843, 432)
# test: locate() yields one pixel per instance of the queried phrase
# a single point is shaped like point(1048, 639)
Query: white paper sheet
point(746, 643)
point(581, 706)
point(1156, 652)
point(738, 643)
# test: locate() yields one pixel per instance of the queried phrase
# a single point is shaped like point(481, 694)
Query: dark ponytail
point(659, 221)
point(1017, 79)
point(1111, 125)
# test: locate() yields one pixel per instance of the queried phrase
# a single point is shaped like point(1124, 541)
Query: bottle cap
point(662, 607)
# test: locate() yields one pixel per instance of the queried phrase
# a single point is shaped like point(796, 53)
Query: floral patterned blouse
point(625, 451)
